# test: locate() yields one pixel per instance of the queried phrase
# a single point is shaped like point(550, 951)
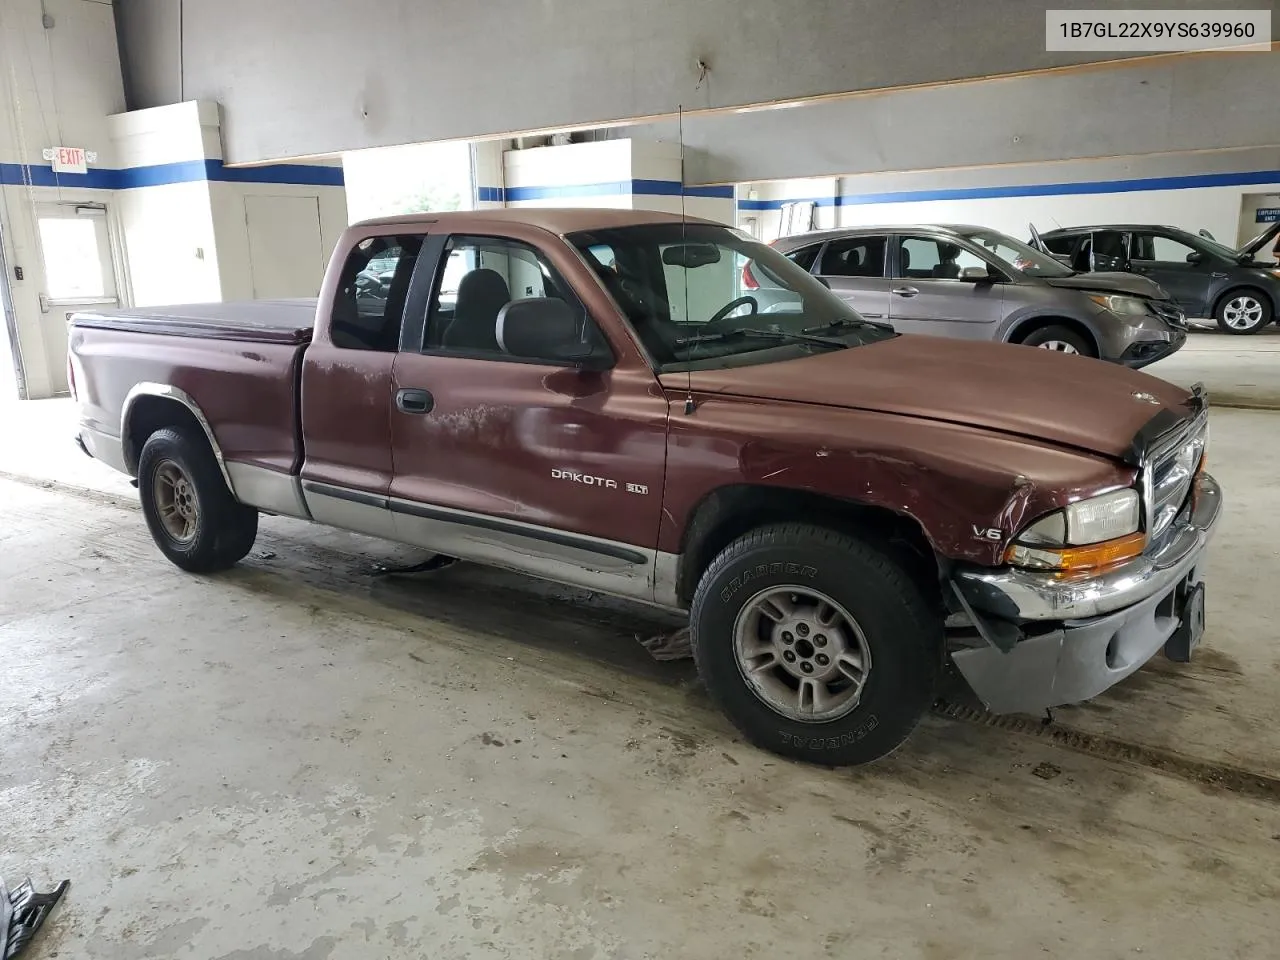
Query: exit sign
point(68, 159)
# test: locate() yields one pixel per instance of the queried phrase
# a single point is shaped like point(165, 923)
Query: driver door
point(518, 460)
point(1165, 260)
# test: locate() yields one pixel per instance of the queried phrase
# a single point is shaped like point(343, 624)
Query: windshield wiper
point(750, 333)
point(849, 322)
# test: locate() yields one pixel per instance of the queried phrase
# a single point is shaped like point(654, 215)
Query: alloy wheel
point(175, 498)
point(801, 653)
point(1242, 313)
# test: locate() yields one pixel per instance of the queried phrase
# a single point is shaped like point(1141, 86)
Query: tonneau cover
point(264, 321)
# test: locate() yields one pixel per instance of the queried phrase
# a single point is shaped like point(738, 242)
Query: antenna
point(684, 236)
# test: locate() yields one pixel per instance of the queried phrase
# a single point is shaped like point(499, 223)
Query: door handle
point(1218, 276)
point(905, 291)
point(414, 401)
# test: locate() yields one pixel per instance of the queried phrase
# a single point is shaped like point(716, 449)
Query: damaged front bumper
point(1051, 641)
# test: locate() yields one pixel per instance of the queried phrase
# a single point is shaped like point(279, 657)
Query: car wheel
point(815, 644)
point(193, 517)
point(1243, 312)
point(1061, 340)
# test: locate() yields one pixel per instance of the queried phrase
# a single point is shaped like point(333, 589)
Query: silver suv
point(980, 284)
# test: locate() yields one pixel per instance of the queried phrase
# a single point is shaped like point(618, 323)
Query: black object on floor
point(22, 912)
point(437, 562)
point(675, 645)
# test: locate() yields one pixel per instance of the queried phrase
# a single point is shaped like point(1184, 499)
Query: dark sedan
point(1204, 277)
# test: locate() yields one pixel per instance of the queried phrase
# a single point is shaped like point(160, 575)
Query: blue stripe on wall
point(1250, 178)
point(191, 171)
point(671, 188)
point(649, 188)
point(17, 174)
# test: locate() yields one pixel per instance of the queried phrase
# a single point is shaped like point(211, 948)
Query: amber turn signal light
point(1071, 560)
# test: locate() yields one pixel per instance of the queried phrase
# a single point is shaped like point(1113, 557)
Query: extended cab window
point(368, 309)
point(856, 257)
point(481, 275)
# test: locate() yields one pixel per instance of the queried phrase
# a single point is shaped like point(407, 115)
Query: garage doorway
point(79, 274)
point(286, 252)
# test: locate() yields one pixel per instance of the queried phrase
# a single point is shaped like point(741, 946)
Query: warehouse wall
point(624, 174)
point(596, 62)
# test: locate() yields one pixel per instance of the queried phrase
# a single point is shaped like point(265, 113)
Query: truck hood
point(1110, 283)
point(1075, 401)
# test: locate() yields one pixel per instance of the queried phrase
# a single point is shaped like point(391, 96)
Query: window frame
point(432, 293)
point(863, 238)
point(424, 254)
point(819, 249)
point(997, 273)
point(1162, 235)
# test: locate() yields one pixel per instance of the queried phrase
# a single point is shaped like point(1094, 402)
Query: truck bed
point(239, 364)
point(255, 321)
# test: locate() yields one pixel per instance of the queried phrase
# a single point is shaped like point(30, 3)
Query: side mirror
point(545, 328)
point(976, 275)
point(1195, 256)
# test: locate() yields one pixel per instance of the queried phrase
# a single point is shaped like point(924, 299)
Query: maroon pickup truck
point(595, 397)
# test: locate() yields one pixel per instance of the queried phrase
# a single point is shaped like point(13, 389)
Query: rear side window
point(804, 257)
point(368, 309)
point(856, 257)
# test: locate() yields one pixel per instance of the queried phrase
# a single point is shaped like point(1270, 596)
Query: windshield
point(702, 297)
point(1017, 255)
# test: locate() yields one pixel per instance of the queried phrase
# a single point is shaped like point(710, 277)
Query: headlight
point(1124, 306)
point(1087, 535)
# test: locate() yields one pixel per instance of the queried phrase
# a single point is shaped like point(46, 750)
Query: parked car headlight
point(1123, 306)
point(1086, 536)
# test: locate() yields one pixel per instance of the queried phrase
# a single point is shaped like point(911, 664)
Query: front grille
point(1169, 471)
point(1168, 311)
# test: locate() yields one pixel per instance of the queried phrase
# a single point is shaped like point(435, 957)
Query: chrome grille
point(1169, 471)
point(1168, 311)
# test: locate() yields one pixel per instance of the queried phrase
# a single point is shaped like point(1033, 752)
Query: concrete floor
point(1237, 371)
point(299, 760)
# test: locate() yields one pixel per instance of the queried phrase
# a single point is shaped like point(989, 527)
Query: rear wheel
point(815, 644)
point(193, 517)
point(1243, 312)
point(1061, 340)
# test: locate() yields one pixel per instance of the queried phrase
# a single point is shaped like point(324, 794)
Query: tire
point(193, 518)
point(1242, 312)
point(1060, 339)
point(808, 566)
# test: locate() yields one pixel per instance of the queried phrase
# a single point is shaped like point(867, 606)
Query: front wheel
point(1243, 312)
point(816, 645)
point(193, 517)
point(1060, 340)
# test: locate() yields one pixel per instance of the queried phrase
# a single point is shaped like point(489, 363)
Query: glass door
point(79, 274)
